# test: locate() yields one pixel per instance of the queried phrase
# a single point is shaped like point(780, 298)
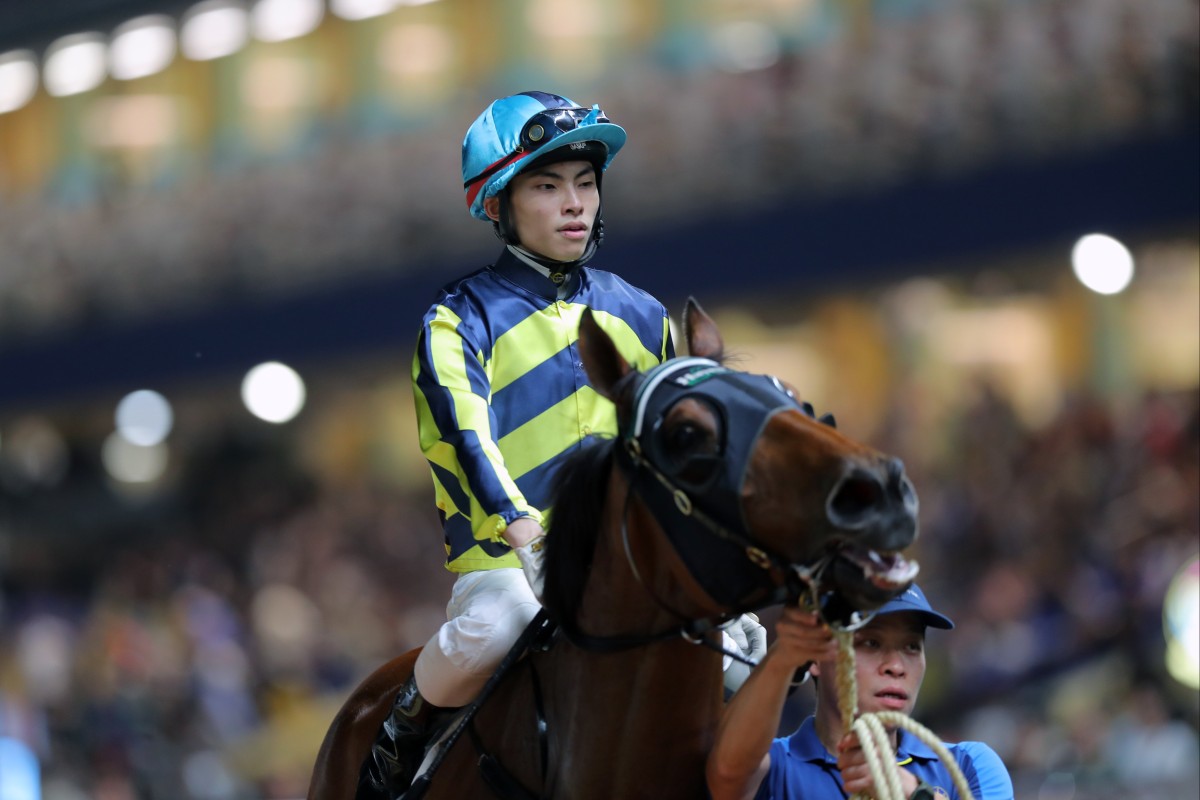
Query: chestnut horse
point(720, 494)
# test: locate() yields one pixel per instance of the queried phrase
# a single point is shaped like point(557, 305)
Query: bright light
point(1181, 624)
point(74, 64)
point(144, 417)
point(141, 47)
point(1102, 264)
point(361, 9)
point(18, 79)
point(278, 20)
point(214, 29)
point(131, 463)
point(273, 392)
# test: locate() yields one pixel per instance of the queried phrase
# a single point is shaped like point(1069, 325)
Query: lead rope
point(873, 736)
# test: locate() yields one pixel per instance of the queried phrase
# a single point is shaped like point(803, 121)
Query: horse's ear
point(703, 338)
point(604, 363)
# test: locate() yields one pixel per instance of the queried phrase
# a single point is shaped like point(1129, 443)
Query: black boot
point(400, 745)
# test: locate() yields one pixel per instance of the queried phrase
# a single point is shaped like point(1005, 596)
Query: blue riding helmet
point(500, 143)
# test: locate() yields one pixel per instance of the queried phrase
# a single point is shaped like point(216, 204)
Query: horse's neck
point(636, 583)
point(638, 588)
point(652, 709)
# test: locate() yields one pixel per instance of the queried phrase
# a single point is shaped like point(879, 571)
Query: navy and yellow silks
point(502, 396)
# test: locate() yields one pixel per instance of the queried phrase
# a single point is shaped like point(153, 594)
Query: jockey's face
point(553, 208)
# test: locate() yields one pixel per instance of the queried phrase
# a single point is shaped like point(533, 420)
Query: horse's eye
point(686, 438)
point(690, 439)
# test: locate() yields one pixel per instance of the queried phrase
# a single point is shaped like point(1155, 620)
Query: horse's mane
point(580, 488)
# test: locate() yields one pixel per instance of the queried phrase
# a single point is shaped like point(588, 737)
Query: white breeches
point(487, 611)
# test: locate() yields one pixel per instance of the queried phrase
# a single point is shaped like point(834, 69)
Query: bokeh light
point(288, 622)
point(75, 64)
point(273, 392)
point(18, 79)
point(132, 463)
point(1181, 624)
point(361, 9)
point(144, 417)
point(142, 47)
point(1102, 263)
point(214, 29)
point(280, 20)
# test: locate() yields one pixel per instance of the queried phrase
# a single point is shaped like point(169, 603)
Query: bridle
point(707, 516)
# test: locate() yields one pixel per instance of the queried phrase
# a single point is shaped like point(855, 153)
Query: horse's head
point(761, 501)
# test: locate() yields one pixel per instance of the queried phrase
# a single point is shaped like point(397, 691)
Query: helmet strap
point(503, 227)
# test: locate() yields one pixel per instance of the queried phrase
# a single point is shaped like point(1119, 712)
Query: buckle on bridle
point(758, 557)
point(634, 448)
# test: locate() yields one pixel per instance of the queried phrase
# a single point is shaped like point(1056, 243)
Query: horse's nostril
point(900, 485)
point(857, 493)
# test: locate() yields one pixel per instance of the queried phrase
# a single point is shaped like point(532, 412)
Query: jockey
point(501, 393)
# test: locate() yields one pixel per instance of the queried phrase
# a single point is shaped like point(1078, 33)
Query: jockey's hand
point(746, 636)
point(528, 541)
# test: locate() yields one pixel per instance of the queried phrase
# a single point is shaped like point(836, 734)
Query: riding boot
point(400, 746)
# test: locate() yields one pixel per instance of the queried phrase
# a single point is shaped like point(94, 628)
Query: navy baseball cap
point(913, 599)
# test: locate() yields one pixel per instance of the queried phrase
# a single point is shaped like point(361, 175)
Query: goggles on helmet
point(541, 128)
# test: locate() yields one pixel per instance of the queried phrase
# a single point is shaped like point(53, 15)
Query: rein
point(494, 773)
point(791, 580)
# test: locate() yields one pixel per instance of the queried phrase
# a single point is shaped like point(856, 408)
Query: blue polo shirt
point(802, 769)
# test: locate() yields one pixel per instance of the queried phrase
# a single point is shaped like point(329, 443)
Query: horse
point(721, 494)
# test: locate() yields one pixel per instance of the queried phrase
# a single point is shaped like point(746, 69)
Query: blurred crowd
point(197, 645)
point(202, 651)
point(1053, 549)
point(951, 88)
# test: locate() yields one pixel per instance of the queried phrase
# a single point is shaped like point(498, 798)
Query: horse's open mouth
point(860, 580)
point(888, 572)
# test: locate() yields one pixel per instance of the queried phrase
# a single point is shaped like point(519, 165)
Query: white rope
point(871, 730)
